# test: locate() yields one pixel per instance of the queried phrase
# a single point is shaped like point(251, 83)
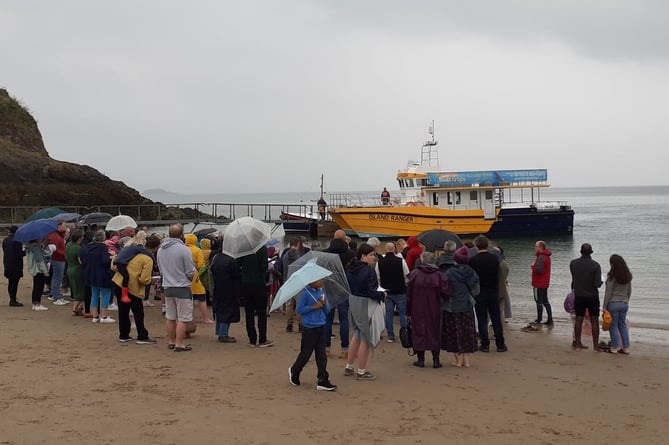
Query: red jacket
point(541, 270)
point(414, 251)
point(57, 239)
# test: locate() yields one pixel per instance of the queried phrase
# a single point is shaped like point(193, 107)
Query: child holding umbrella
point(312, 305)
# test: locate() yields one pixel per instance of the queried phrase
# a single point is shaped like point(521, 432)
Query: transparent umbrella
point(120, 222)
point(298, 280)
point(245, 236)
point(336, 285)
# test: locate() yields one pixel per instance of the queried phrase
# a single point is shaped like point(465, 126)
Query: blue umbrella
point(67, 217)
point(297, 281)
point(35, 230)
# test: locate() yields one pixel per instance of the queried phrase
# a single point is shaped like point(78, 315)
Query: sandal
point(170, 346)
point(182, 349)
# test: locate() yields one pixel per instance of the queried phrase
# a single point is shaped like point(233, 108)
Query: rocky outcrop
point(29, 177)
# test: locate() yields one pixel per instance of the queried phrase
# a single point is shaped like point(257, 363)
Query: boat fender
point(410, 204)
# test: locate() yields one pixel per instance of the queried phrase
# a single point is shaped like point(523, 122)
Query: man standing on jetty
point(541, 277)
point(586, 279)
point(177, 269)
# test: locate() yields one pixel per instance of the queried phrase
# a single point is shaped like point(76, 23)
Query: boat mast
point(429, 155)
point(321, 185)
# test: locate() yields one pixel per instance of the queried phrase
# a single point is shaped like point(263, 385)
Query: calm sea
point(630, 221)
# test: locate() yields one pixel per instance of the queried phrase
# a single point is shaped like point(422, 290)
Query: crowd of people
point(448, 298)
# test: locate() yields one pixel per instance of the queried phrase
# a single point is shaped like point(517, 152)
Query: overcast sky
point(223, 96)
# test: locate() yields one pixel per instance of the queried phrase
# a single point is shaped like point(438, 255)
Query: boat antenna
point(429, 156)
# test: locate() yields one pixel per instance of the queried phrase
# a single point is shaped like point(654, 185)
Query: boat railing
point(355, 200)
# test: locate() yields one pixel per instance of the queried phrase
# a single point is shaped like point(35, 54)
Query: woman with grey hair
point(427, 289)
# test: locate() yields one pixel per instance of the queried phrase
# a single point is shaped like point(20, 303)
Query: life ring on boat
point(410, 204)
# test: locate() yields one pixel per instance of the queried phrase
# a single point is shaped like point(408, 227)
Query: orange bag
point(606, 320)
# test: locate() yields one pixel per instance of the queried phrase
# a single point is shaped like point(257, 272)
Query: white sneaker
point(39, 307)
point(61, 302)
point(67, 293)
point(112, 307)
point(148, 303)
point(50, 298)
point(95, 320)
point(107, 320)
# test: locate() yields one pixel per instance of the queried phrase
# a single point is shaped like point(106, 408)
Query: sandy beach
point(65, 380)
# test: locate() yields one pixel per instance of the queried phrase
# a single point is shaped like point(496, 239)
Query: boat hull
point(386, 222)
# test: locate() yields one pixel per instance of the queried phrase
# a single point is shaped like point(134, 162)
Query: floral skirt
point(458, 333)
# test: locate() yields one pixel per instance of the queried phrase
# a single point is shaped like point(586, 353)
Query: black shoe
point(537, 321)
point(502, 349)
point(289, 327)
point(419, 364)
point(484, 348)
point(549, 323)
point(14, 303)
point(294, 379)
point(436, 364)
point(326, 386)
point(227, 339)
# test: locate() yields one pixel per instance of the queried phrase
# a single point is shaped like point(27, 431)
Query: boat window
point(488, 195)
point(451, 195)
point(458, 198)
point(473, 195)
point(435, 198)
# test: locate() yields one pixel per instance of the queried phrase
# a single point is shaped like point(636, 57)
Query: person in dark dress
point(458, 325)
point(227, 292)
point(12, 260)
point(427, 289)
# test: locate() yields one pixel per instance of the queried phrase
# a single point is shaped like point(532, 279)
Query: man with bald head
point(392, 271)
point(177, 269)
point(339, 234)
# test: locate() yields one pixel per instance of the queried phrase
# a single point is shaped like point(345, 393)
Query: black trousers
point(255, 305)
point(313, 340)
point(136, 305)
point(38, 287)
point(488, 304)
point(87, 299)
point(12, 287)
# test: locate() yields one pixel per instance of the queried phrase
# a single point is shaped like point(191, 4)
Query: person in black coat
point(226, 275)
point(12, 259)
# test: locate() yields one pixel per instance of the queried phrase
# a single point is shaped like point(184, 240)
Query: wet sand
point(66, 380)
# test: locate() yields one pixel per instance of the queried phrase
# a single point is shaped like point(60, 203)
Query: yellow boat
point(499, 202)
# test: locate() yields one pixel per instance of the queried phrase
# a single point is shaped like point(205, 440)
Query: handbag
point(405, 338)
point(606, 320)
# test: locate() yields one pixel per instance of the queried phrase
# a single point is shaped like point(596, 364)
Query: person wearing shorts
point(177, 270)
point(586, 279)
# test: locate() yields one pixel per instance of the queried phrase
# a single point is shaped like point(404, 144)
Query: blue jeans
point(618, 329)
point(100, 295)
point(342, 310)
point(393, 301)
point(57, 272)
point(222, 329)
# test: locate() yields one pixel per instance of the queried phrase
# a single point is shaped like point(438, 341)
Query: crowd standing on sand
point(448, 297)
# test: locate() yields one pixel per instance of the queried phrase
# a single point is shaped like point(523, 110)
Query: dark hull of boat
point(526, 221)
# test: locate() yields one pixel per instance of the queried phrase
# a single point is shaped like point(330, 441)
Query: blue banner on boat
point(490, 177)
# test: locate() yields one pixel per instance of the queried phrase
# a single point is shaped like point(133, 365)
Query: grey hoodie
point(175, 263)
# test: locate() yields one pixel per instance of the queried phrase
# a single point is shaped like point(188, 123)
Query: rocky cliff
point(29, 177)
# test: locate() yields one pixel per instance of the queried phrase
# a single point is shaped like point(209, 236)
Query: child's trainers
point(348, 372)
point(365, 376)
point(326, 386)
point(294, 379)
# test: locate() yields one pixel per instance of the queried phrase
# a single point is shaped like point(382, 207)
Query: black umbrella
point(434, 239)
point(94, 218)
point(203, 232)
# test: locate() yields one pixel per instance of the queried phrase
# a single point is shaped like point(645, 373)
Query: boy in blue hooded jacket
point(312, 305)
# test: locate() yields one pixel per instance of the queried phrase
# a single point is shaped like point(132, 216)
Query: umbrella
point(67, 217)
point(204, 232)
point(44, 213)
point(434, 239)
point(336, 285)
point(120, 222)
point(297, 281)
point(245, 236)
point(35, 230)
point(94, 218)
